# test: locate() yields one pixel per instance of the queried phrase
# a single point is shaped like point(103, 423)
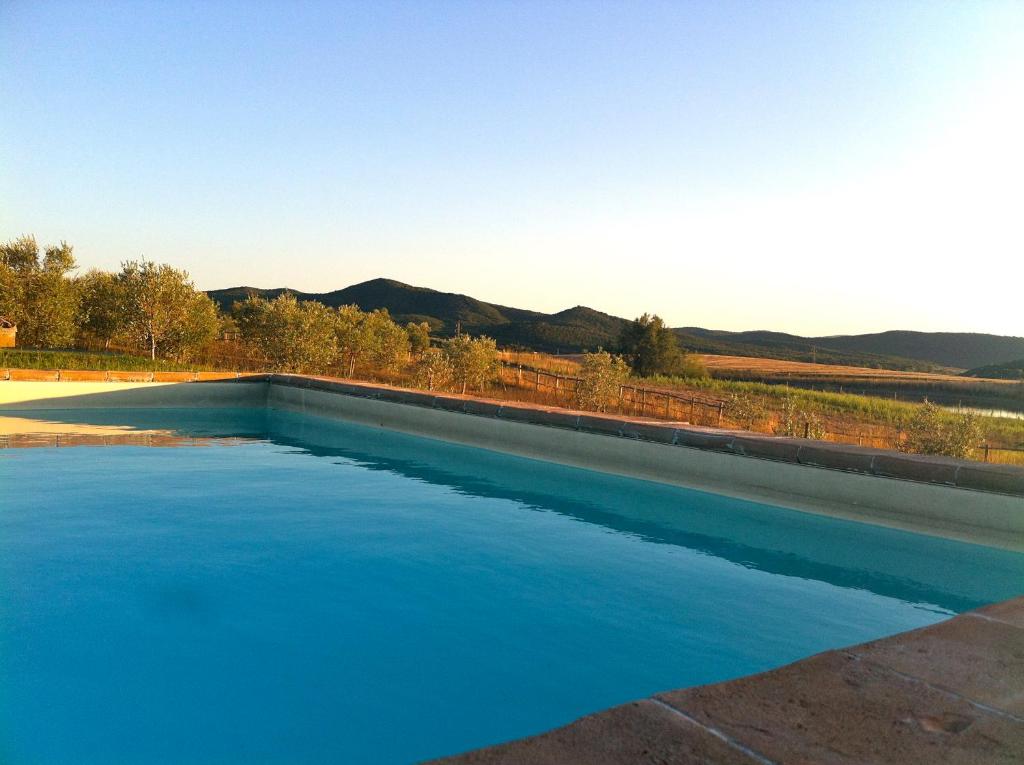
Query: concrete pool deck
point(949, 693)
point(956, 499)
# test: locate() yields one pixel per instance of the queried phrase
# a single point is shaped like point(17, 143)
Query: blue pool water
point(284, 589)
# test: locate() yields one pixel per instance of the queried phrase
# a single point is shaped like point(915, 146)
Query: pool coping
point(885, 463)
point(954, 499)
point(950, 692)
point(947, 471)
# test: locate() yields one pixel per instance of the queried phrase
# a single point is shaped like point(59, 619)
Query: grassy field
point(846, 417)
point(775, 367)
point(31, 359)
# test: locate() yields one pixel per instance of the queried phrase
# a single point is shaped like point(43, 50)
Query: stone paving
point(950, 693)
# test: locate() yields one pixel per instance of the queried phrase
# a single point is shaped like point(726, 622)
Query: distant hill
point(581, 329)
point(1010, 370)
point(963, 350)
point(779, 345)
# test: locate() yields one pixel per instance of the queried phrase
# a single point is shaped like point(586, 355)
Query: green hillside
point(1010, 370)
point(962, 350)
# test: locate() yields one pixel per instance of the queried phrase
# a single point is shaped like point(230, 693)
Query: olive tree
point(934, 431)
point(288, 335)
point(419, 337)
point(163, 311)
point(387, 344)
point(474, 361)
point(433, 370)
point(37, 294)
point(600, 376)
point(102, 311)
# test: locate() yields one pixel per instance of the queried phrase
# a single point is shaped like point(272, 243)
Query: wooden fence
point(632, 400)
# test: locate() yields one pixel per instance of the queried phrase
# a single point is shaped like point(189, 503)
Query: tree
point(419, 337)
point(934, 431)
point(350, 337)
point(387, 343)
point(433, 370)
point(651, 348)
point(201, 326)
point(287, 335)
point(601, 375)
point(37, 294)
point(21, 254)
point(474, 361)
point(102, 314)
point(163, 311)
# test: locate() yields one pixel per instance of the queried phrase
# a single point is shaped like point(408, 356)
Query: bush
point(287, 335)
point(796, 421)
point(600, 377)
point(474, 361)
point(433, 370)
point(934, 431)
point(746, 410)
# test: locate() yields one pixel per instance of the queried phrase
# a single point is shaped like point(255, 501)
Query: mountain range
point(581, 328)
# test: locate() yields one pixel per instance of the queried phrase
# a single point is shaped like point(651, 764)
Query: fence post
point(693, 403)
point(537, 380)
point(986, 451)
point(721, 406)
point(668, 401)
point(807, 429)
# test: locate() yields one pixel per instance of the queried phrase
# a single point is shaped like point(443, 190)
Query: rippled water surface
point(260, 587)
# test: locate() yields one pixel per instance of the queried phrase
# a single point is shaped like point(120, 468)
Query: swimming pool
point(271, 587)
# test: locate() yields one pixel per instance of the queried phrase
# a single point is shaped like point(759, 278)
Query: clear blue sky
point(809, 167)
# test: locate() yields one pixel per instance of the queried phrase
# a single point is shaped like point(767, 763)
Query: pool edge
point(948, 692)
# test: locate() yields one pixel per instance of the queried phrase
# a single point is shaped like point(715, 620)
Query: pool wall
point(942, 497)
point(21, 395)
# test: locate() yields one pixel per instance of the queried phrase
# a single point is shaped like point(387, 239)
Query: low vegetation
point(601, 375)
point(13, 358)
point(934, 431)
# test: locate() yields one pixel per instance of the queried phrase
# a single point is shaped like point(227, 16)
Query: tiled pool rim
point(957, 499)
point(948, 693)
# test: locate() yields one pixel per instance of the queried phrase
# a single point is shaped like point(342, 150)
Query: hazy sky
point(809, 167)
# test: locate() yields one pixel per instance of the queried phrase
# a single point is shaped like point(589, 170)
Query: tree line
point(155, 309)
point(148, 307)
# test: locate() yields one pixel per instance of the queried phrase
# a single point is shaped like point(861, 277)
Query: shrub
point(746, 410)
point(796, 421)
point(433, 370)
point(474, 361)
point(600, 376)
point(288, 335)
point(934, 431)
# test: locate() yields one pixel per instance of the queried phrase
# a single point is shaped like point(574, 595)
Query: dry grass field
point(756, 367)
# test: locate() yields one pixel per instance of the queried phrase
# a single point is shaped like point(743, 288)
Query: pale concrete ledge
point(965, 474)
point(950, 693)
point(955, 499)
point(864, 485)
